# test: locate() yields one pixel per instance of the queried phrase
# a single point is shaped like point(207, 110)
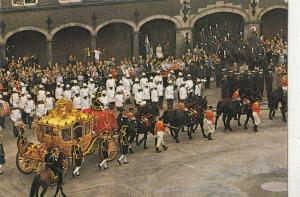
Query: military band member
point(77, 157)
point(210, 119)
point(169, 94)
point(2, 154)
point(160, 130)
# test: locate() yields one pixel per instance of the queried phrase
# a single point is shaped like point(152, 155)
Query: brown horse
point(45, 178)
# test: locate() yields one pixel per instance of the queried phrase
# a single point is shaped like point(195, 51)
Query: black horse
point(190, 118)
point(142, 122)
point(199, 105)
point(231, 108)
point(146, 119)
point(276, 97)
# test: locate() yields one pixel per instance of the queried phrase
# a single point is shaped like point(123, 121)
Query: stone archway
point(159, 31)
point(124, 21)
point(70, 40)
point(164, 17)
point(274, 21)
point(217, 26)
point(264, 11)
point(29, 28)
point(218, 9)
point(57, 29)
point(116, 38)
point(27, 41)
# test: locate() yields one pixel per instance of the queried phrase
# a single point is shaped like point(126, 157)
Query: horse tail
point(35, 185)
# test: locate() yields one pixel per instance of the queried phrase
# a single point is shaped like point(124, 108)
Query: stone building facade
point(53, 29)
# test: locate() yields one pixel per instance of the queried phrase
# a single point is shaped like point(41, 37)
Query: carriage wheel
point(113, 149)
point(25, 165)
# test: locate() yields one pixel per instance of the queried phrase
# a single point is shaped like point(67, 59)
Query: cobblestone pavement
point(234, 164)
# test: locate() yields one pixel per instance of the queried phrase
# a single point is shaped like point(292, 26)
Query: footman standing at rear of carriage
point(77, 158)
point(210, 118)
point(2, 154)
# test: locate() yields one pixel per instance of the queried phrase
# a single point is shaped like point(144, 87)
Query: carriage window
point(78, 131)
point(47, 130)
point(87, 128)
point(66, 134)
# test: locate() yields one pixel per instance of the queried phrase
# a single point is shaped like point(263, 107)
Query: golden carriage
point(61, 128)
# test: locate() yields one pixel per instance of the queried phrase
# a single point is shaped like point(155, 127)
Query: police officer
point(77, 157)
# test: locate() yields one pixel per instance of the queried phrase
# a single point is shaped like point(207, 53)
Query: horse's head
point(202, 102)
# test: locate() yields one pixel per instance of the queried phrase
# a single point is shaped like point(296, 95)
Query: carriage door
point(78, 131)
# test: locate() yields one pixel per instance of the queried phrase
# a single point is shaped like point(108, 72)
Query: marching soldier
point(160, 130)
point(2, 154)
point(143, 80)
point(104, 100)
point(84, 91)
point(85, 102)
point(41, 95)
point(14, 99)
point(147, 95)
point(209, 115)
point(139, 97)
point(135, 88)
point(77, 158)
point(169, 94)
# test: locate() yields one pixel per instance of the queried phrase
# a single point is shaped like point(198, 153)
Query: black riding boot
point(209, 137)
point(157, 150)
point(165, 147)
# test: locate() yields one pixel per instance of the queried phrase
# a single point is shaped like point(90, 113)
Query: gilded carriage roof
point(64, 114)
